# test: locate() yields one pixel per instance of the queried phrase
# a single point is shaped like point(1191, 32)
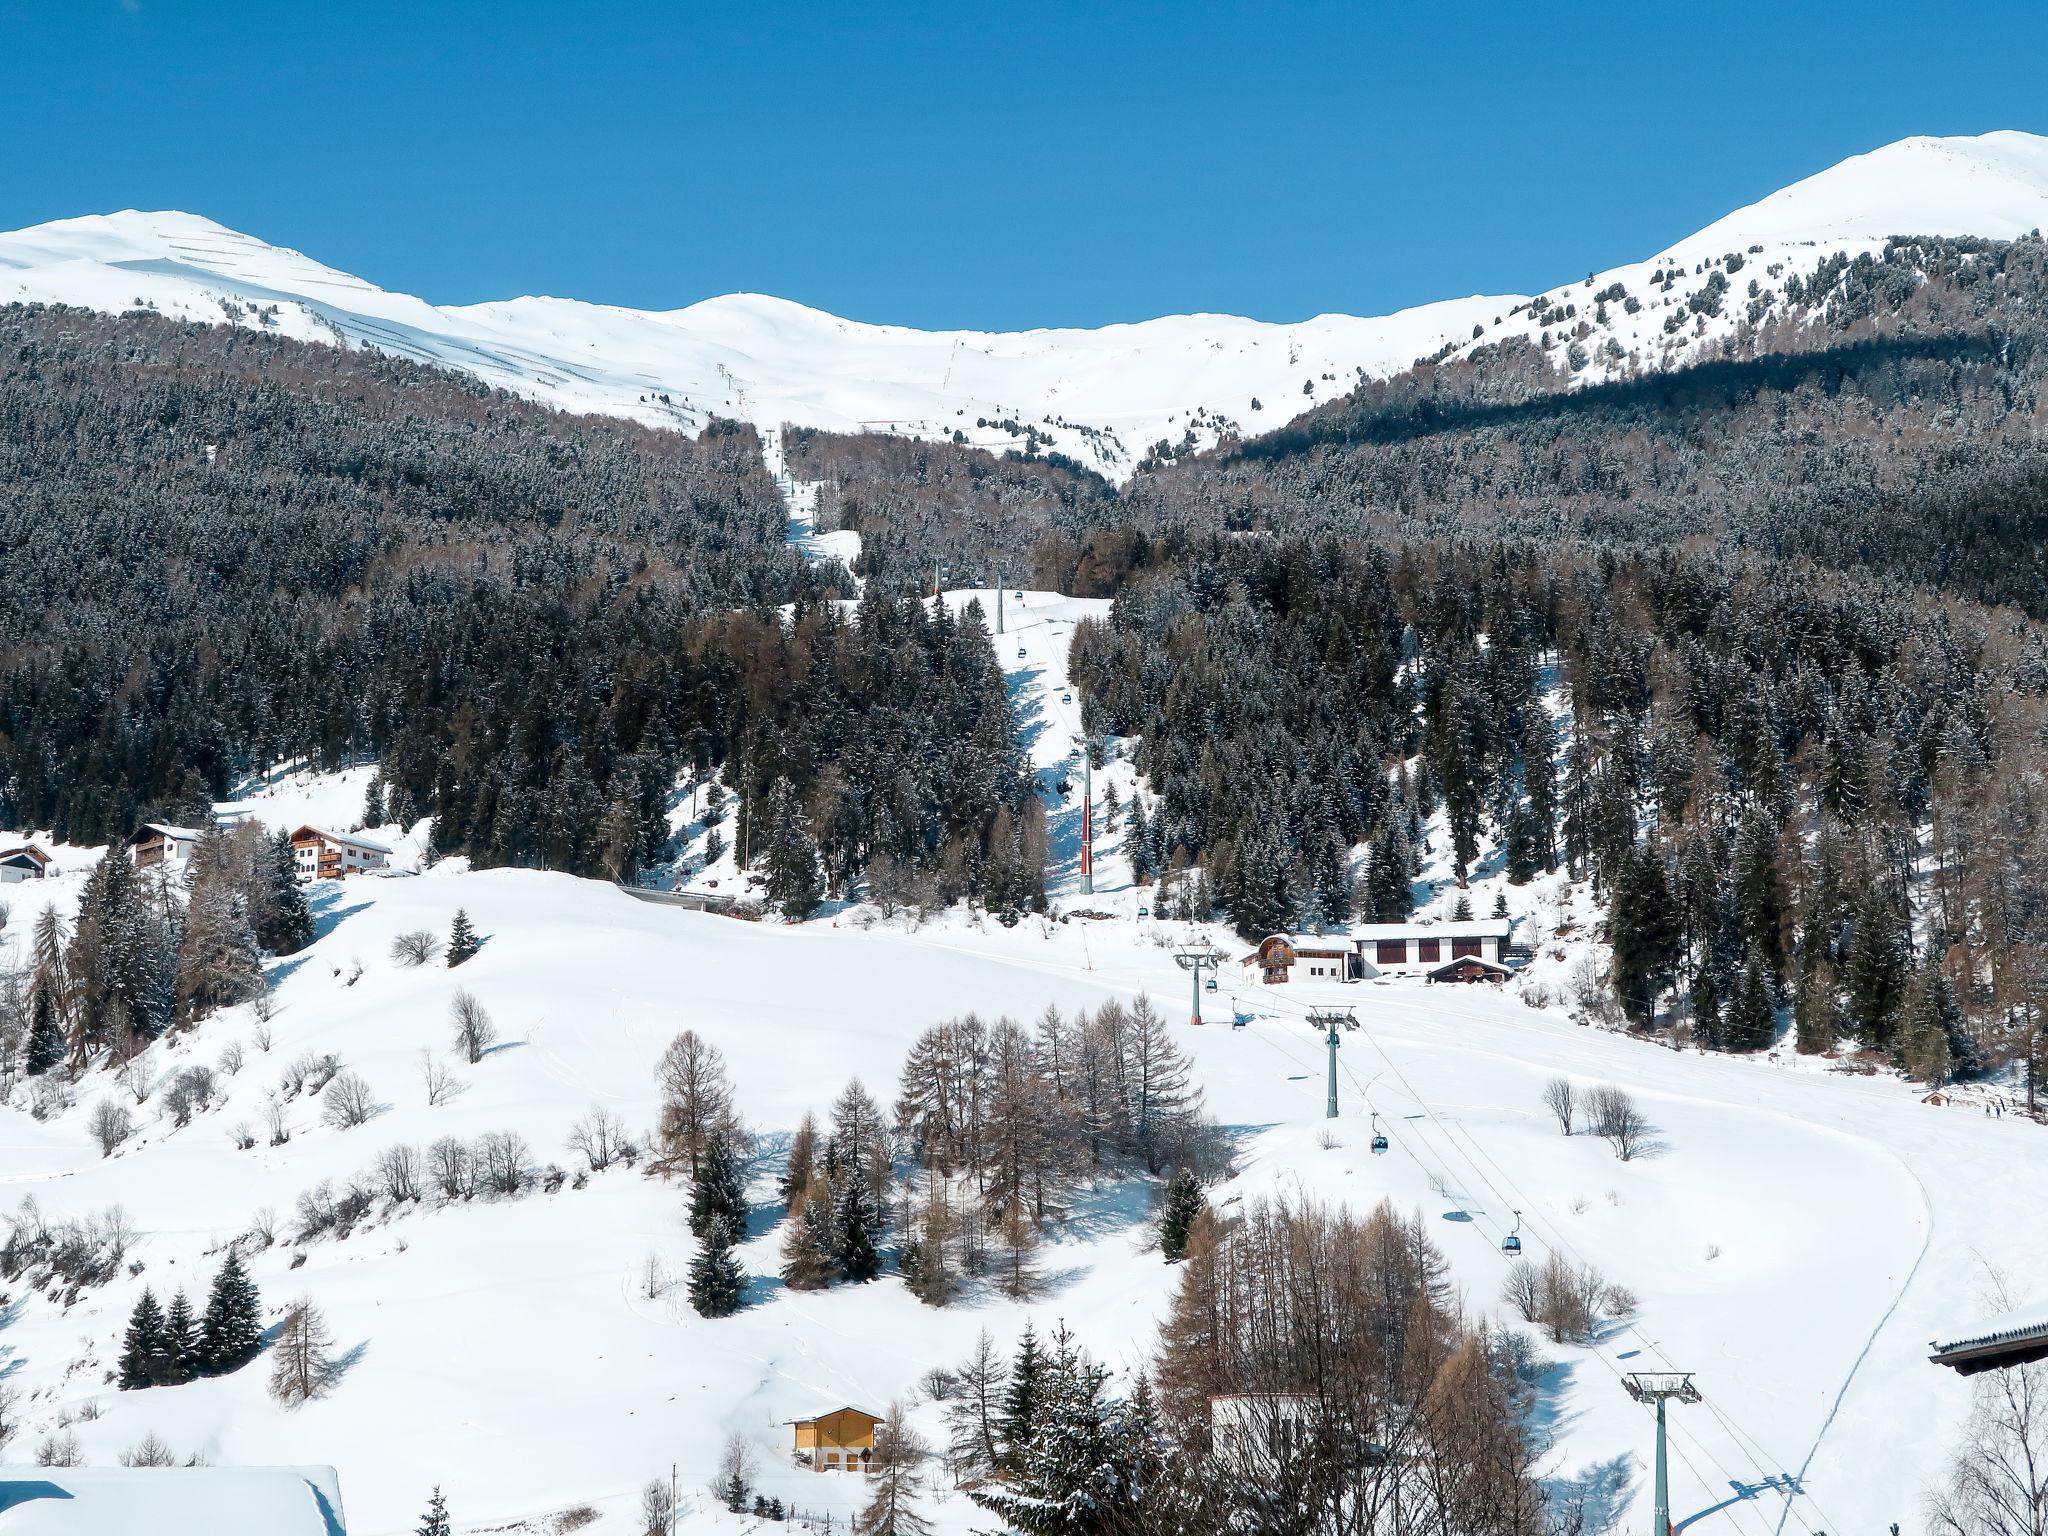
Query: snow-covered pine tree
point(435, 1521)
point(231, 1331)
point(142, 1347)
point(717, 1284)
point(855, 1233)
point(1069, 1476)
point(462, 939)
point(218, 961)
point(1752, 1018)
point(795, 883)
point(1020, 1398)
point(182, 1357)
point(1183, 1204)
point(718, 1197)
point(373, 801)
point(289, 918)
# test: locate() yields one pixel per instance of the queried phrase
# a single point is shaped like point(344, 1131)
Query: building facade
point(318, 854)
point(840, 1441)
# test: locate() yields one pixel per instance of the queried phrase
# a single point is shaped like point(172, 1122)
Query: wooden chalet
point(1468, 968)
point(22, 861)
point(1282, 957)
point(156, 842)
point(840, 1441)
point(318, 854)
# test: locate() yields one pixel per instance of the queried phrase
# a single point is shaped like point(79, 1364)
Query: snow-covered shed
point(171, 1501)
point(318, 854)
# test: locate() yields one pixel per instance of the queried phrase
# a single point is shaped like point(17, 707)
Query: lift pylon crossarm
point(1195, 960)
point(1661, 1387)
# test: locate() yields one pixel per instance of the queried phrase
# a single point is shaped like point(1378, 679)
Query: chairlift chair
point(1511, 1245)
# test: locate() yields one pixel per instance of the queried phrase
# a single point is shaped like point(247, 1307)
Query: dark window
point(1393, 951)
point(1460, 948)
point(1429, 949)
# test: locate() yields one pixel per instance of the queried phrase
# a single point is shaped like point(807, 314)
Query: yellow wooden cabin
point(840, 1441)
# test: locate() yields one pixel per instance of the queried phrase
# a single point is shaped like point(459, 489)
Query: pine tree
point(718, 1197)
point(1069, 1473)
point(435, 1521)
point(142, 1348)
point(859, 1224)
point(717, 1284)
point(1184, 1203)
point(218, 961)
point(289, 927)
point(795, 883)
point(1643, 928)
point(806, 1261)
point(1462, 912)
point(183, 1360)
point(45, 1030)
point(462, 940)
point(1706, 1006)
point(231, 1331)
point(1020, 1398)
point(1752, 1017)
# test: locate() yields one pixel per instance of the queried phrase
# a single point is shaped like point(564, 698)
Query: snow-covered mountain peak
point(1106, 396)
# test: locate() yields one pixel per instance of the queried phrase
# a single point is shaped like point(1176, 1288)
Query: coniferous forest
point(1721, 641)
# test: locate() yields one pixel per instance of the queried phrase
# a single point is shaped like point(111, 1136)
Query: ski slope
point(1796, 1242)
point(1105, 397)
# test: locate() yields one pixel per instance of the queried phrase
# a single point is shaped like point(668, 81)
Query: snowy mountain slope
point(1105, 396)
point(507, 1348)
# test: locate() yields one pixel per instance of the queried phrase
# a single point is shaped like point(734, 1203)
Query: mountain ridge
point(1108, 397)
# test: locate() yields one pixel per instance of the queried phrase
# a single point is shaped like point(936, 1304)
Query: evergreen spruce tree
point(290, 917)
point(1184, 1203)
point(1752, 1017)
point(1462, 912)
point(435, 1521)
point(1500, 904)
point(1934, 1047)
point(1020, 1398)
point(1138, 842)
point(183, 1360)
point(1524, 854)
point(231, 1331)
point(795, 883)
point(462, 940)
point(373, 801)
point(716, 1281)
point(45, 1031)
point(142, 1348)
point(1706, 1007)
point(718, 1198)
point(1643, 928)
point(1876, 970)
point(858, 1226)
point(1068, 1472)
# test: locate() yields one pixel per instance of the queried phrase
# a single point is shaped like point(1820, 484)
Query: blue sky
point(953, 165)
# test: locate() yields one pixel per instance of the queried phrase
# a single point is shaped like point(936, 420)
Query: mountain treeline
point(1802, 790)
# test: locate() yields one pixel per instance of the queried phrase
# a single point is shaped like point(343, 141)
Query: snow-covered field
point(1104, 397)
point(1796, 1240)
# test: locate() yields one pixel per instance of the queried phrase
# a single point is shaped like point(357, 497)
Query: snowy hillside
point(1104, 397)
point(1795, 1240)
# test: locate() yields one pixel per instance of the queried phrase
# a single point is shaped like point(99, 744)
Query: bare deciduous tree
point(149, 1451)
point(453, 1168)
point(1616, 1118)
point(696, 1097)
point(600, 1136)
point(110, 1125)
point(474, 1031)
point(440, 1083)
point(501, 1160)
point(302, 1363)
point(735, 1479)
point(399, 1167)
point(415, 947)
point(1561, 1098)
point(896, 1469)
point(347, 1102)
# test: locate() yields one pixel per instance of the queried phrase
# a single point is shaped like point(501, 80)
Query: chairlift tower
point(1195, 961)
point(1327, 1019)
point(1660, 1387)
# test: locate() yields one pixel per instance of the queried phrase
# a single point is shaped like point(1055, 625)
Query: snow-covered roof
point(16, 850)
point(1470, 928)
point(1329, 943)
point(176, 834)
point(349, 838)
point(171, 1501)
point(2003, 1340)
